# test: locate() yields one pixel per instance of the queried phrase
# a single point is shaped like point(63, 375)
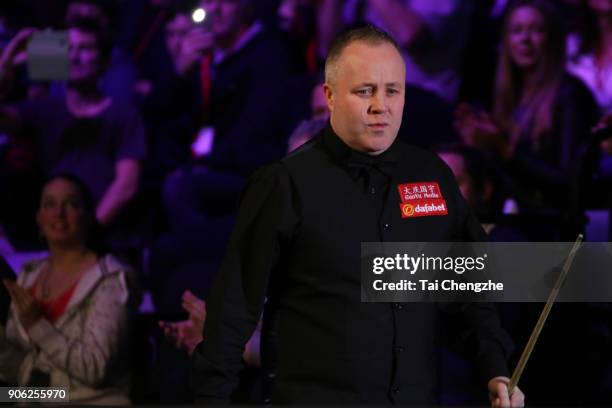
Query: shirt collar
point(353, 160)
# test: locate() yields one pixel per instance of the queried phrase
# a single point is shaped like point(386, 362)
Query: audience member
point(240, 72)
point(69, 318)
point(541, 115)
point(85, 132)
point(120, 74)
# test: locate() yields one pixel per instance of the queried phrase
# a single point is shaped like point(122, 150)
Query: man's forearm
point(119, 195)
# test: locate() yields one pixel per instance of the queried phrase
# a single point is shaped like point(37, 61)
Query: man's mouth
point(378, 126)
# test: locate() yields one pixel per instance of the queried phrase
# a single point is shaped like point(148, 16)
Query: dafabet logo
point(421, 199)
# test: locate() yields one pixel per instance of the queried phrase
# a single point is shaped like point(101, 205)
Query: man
point(238, 70)
point(297, 243)
point(84, 132)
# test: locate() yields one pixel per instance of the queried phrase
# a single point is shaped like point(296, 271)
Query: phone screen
point(48, 56)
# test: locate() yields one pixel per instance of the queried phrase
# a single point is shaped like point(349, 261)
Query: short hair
point(368, 34)
point(104, 39)
point(108, 7)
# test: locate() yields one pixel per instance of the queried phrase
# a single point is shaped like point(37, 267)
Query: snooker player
point(295, 249)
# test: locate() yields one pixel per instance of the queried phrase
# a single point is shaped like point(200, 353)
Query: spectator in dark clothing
point(541, 115)
point(229, 75)
point(239, 70)
point(86, 132)
point(239, 128)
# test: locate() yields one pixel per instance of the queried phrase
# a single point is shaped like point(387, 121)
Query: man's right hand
point(195, 43)
point(13, 55)
point(187, 334)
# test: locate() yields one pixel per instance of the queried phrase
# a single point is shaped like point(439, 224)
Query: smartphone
point(48, 56)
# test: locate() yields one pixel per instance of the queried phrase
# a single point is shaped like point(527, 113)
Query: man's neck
point(86, 100)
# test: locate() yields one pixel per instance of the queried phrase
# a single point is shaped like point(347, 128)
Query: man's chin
point(375, 150)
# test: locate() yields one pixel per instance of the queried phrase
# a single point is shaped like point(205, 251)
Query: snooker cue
point(542, 319)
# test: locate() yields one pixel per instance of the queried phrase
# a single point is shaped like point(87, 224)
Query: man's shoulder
point(415, 156)
point(309, 151)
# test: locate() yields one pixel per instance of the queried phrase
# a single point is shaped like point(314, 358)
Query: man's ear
point(329, 96)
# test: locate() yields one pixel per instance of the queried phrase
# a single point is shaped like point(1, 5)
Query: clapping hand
point(28, 310)
point(187, 334)
point(478, 129)
point(13, 55)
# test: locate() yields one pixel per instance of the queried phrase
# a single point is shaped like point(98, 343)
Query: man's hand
point(187, 334)
point(27, 307)
point(478, 129)
point(13, 55)
point(498, 394)
point(195, 43)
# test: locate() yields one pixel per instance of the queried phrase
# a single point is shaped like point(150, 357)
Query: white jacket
point(86, 348)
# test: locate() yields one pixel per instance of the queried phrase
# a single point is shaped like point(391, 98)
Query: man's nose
point(378, 104)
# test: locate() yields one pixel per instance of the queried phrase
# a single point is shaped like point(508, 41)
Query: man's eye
point(363, 92)
point(392, 91)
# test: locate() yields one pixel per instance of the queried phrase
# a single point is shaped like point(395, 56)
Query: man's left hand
point(498, 394)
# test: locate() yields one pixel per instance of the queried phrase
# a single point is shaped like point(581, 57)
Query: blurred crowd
point(126, 174)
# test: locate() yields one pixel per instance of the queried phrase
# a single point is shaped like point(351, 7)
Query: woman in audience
point(68, 323)
point(541, 115)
